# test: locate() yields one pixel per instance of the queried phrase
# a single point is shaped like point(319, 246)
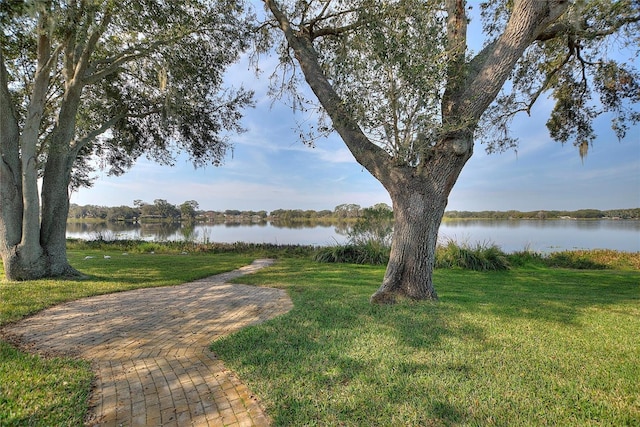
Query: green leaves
point(584, 62)
point(385, 71)
point(391, 62)
point(113, 54)
point(384, 60)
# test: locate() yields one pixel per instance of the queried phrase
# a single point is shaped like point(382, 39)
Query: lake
point(510, 235)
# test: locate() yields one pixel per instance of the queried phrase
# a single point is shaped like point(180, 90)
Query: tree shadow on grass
point(552, 295)
point(337, 360)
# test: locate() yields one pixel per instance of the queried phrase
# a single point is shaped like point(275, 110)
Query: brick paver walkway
point(149, 350)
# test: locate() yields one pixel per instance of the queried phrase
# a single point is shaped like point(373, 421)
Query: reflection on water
point(510, 235)
point(548, 235)
point(124, 230)
point(609, 224)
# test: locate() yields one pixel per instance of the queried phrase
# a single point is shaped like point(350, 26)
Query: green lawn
point(530, 346)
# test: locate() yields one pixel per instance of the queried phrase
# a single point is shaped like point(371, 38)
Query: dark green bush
point(525, 257)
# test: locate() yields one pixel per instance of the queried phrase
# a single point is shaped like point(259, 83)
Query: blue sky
point(270, 168)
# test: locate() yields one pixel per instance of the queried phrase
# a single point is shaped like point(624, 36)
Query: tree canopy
point(586, 62)
point(373, 52)
point(99, 83)
point(399, 83)
point(150, 75)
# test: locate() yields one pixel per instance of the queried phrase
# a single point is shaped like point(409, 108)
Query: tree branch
point(9, 131)
point(113, 67)
point(335, 31)
point(79, 143)
point(128, 55)
point(35, 110)
point(493, 65)
point(456, 48)
point(84, 60)
point(369, 155)
point(319, 17)
point(561, 28)
point(546, 82)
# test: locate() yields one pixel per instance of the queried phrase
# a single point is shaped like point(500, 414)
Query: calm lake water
point(510, 235)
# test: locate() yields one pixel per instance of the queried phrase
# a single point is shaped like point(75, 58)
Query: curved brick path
point(149, 350)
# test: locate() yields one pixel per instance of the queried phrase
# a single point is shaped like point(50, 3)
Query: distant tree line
point(141, 211)
point(633, 213)
point(162, 210)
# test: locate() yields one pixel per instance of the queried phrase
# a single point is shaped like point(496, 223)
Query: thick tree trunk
point(420, 196)
point(21, 258)
point(23, 254)
point(30, 247)
point(24, 264)
point(417, 217)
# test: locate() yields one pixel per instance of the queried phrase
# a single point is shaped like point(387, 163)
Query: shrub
point(374, 226)
point(366, 253)
point(573, 259)
point(525, 257)
point(481, 257)
point(369, 240)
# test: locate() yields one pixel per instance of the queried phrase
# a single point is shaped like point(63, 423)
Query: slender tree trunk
point(10, 169)
point(11, 206)
point(55, 210)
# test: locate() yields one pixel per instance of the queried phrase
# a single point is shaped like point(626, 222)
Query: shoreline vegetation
point(561, 325)
point(449, 254)
point(162, 211)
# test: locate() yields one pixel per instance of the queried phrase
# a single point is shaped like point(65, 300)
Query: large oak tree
point(86, 81)
point(400, 85)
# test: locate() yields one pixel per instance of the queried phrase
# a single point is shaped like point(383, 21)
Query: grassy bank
point(526, 346)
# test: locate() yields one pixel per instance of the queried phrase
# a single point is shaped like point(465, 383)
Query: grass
point(46, 392)
point(528, 346)
point(178, 247)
